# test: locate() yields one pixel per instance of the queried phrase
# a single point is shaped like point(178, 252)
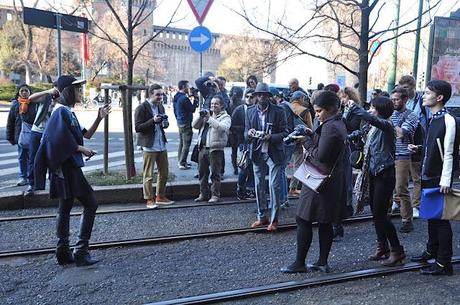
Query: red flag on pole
point(85, 47)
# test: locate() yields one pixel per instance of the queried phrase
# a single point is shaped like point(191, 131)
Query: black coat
point(325, 148)
point(14, 123)
point(277, 117)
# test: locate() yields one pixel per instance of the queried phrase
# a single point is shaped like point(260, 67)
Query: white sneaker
point(415, 213)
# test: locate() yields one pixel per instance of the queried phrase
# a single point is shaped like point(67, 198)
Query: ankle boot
point(382, 252)
point(397, 256)
point(64, 255)
point(81, 254)
point(338, 231)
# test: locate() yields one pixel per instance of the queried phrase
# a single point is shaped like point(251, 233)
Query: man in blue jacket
point(183, 110)
point(265, 129)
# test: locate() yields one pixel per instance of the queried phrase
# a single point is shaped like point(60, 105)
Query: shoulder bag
point(313, 177)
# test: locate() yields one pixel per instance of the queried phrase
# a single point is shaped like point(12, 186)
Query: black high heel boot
point(338, 231)
point(81, 253)
point(64, 255)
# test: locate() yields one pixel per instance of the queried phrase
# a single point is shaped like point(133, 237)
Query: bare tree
point(121, 25)
point(244, 55)
point(345, 26)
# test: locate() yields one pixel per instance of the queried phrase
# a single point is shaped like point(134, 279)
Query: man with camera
point(209, 86)
point(150, 122)
point(214, 127)
point(183, 110)
point(265, 129)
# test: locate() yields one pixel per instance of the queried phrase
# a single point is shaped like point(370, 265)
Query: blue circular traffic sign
point(200, 39)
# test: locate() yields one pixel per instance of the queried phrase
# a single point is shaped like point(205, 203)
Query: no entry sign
point(200, 8)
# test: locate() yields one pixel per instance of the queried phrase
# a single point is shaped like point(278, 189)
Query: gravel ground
point(150, 223)
point(404, 288)
point(139, 275)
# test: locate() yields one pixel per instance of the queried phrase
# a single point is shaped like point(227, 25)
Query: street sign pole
point(58, 43)
point(201, 64)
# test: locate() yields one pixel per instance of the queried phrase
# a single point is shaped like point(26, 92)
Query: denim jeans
point(23, 156)
point(245, 177)
point(289, 149)
point(260, 171)
point(185, 139)
point(34, 143)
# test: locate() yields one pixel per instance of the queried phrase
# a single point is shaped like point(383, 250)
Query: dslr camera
point(164, 120)
point(299, 130)
point(259, 134)
point(204, 112)
point(194, 93)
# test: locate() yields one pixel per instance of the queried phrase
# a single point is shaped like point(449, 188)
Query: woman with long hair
point(379, 151)
point(62, 150)
point(324, 147)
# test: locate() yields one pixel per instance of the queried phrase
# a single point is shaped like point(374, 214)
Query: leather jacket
point(382, 147)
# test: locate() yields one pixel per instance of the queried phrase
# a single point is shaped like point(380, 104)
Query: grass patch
point(118, 178)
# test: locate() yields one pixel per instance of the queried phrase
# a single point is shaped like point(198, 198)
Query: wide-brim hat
point(262, 89)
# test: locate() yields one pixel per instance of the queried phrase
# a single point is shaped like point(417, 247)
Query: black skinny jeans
point(305, 236)
point(440, 240)
point(86, 221)
point(380, 193)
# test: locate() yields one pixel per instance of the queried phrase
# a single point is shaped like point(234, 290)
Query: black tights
point(304, 238)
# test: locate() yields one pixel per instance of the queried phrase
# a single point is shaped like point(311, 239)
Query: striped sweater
point(408, 122)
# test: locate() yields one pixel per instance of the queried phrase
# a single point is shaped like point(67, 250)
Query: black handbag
point(195, 152)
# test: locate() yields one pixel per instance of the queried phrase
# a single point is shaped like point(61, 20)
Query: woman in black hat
point(62, 150)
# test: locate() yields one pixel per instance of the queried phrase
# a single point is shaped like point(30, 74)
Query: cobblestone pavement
point(138, 275)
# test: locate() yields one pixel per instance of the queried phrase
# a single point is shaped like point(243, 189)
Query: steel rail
point(130, 210)
point(168, 239)
point(292, 285)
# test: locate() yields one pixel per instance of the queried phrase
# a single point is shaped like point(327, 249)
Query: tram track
point(168, 238)
point(281, 287)
point(130, 210)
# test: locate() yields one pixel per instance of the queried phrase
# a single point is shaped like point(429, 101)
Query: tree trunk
point(363, 50)
point(128, 108)
point(28, 73)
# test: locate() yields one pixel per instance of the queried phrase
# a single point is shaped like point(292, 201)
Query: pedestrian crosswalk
point(9, 161)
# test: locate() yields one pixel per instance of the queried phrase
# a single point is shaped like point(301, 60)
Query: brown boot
point(382, 252)
point(396, 258)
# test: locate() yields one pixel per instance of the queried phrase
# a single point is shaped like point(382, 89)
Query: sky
point(222, 19)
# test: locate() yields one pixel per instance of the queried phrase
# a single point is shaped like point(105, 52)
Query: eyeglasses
point(158, 94)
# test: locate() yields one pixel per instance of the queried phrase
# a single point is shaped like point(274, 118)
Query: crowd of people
point(388, 141)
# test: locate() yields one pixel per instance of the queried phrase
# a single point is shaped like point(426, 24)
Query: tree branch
point(405, 24)
point(115, 14)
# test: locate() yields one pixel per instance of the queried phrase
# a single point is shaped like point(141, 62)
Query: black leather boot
point(423, 258)
point(82, 256)
point(338, 231)
point(382, 252)
point(438, 269)
point(63, 253)
point(81, 253)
